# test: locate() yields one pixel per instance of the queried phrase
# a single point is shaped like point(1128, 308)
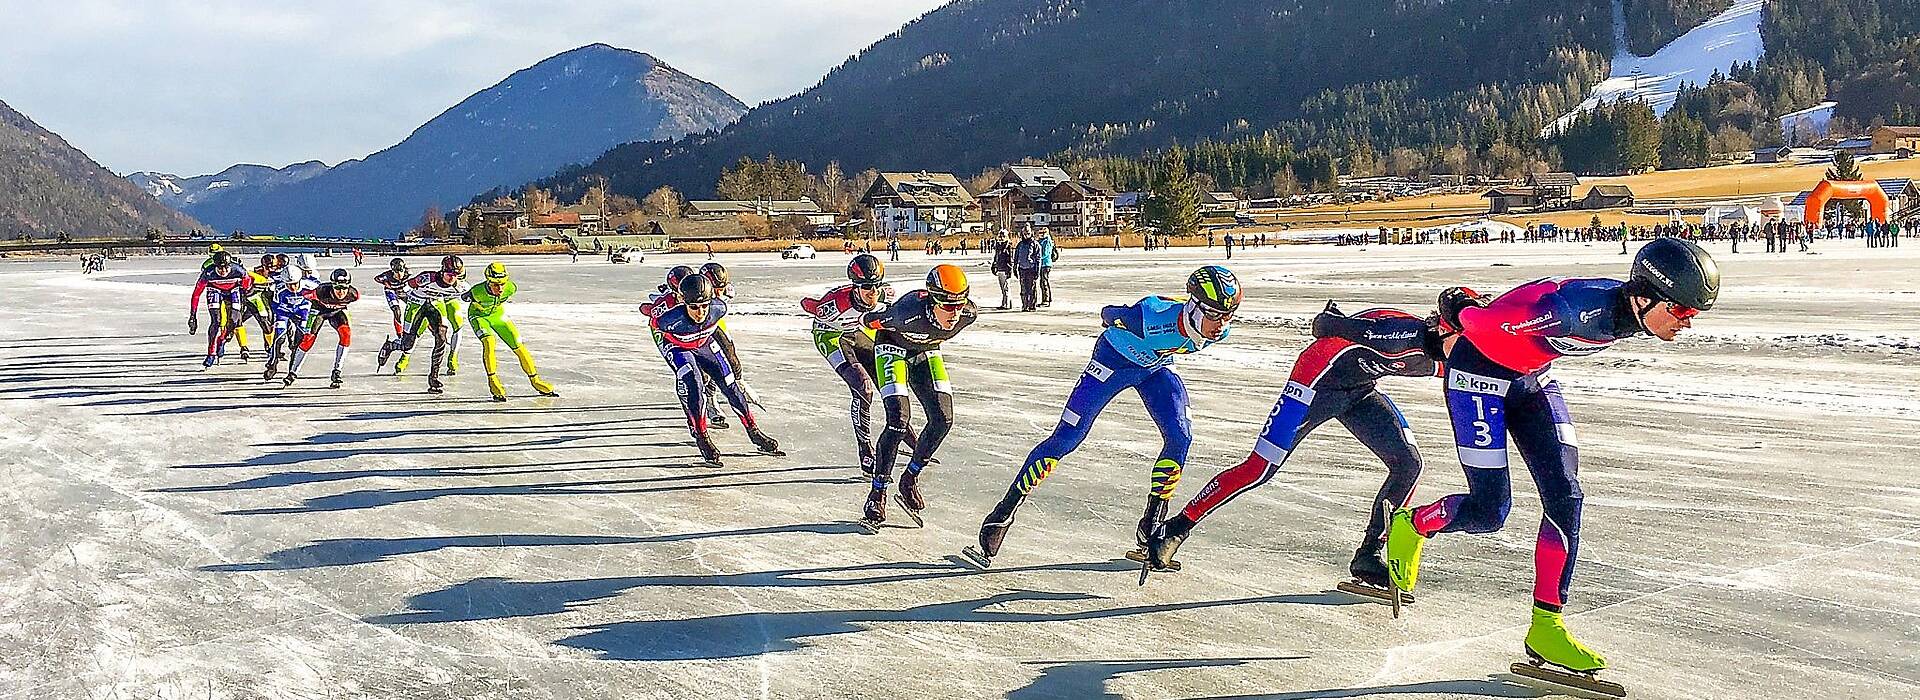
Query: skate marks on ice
point(749, 634)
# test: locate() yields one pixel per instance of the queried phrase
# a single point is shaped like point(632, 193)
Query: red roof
point(557, 219)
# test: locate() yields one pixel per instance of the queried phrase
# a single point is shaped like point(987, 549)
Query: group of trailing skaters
point(291, 306)
point(1492, 352)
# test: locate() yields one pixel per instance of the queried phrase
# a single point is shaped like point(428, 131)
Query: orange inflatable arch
point(1829, 190)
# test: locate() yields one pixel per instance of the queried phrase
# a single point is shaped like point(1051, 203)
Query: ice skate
point(498, 390)
point(337, 381)
point(453, 364)
point(287, 381)
point(1161, 544)
point(246, 355)
point(909, 498)
point(1370, 578)
point(874, 513)
point(435, 387)
point(208, 363)
point(400, 365)
point(1403, 549)
point(270, 373)
point(542, 386)
point(992, 534)
point(764, 442)
point(1554, 656)
point(386, 352)
point(709, 454)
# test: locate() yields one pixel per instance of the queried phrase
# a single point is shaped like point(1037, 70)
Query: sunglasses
point(950, 305)
point(867, 287)
point(1220, 316)
point(1680, 312)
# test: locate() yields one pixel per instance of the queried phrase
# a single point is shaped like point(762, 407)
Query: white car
point(797, 251)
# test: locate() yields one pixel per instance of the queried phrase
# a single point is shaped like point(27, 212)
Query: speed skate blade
point(1140, 555)
point(977, 558)
point(871, 527)
point(911, 514)
point(1568, 679)
point(1382, 595)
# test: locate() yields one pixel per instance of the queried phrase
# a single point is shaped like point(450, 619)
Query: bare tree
point(663, 202)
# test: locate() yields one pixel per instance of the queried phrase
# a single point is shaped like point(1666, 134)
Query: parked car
point(797, 251)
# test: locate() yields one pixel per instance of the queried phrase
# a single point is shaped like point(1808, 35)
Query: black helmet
point(222, 258)
point(453, 263)
point(1215, 289)
point(1676, 270)
point(266, 260)
point(280, 259)
point(866, 270)
point(397, 265)
point(675, 275)
point(695, 289)
point(340, 276)
point(716, 272)
point(1455, 299)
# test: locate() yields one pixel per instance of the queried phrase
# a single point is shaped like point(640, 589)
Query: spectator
point(1026, 263)
point(1048, 254)
point(893, 249)
point(1003, 267)
point(1229, 240)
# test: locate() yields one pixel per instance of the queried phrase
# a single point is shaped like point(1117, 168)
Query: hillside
point(181, 192)
point(48, 187)
point(563, 110)
point(982, 82)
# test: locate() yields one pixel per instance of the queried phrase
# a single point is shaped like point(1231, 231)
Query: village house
point(919, 202)
point(1895, 139)
point(1080, 209)
point(1220, 204)
point(802, 212)
point(1552, 190)
point(1126, 207)
point(1607, 197)
point(1511, 199)
point(1779, 154)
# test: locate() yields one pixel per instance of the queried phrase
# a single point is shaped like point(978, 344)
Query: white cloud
point(191, 87)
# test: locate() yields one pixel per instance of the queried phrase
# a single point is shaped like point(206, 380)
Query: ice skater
point(838, 339)
point(907, 337)
point(487, 314)
point(436, 298)
point(1135, 351)
point(693, 350)
point(330, 302)
point(1336, 378)
point(667, 298)
point(1496, 385)
point(223, 285)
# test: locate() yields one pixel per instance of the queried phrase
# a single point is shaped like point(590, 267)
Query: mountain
point(982, 82)
point(181, 192)
point(1715, 45)
point(563, 110)
point(48, 187)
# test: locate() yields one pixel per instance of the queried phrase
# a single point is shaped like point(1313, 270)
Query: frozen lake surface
point(1752, 517)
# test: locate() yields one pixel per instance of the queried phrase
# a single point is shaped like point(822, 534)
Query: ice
point(172, 533)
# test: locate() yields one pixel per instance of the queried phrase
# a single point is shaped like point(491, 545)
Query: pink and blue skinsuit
point(1497, 385)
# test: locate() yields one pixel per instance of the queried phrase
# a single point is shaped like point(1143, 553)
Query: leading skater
point(487, 314)
point(1497, 385)
point(907, 337)
point(1135, 351)
point(838, 338)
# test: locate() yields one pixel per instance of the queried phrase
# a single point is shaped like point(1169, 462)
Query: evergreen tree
point(1173, 202)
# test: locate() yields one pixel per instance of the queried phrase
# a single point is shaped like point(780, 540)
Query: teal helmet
point(1214, 290)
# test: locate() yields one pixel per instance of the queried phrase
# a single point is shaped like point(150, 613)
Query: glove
point(193, 324)
point(1453, 300)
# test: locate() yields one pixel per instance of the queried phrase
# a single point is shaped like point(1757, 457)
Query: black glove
point(1454, 299)
point(193, 324)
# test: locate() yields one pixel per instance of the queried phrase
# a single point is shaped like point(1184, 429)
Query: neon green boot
point(1403, 549)
point(1548, 640)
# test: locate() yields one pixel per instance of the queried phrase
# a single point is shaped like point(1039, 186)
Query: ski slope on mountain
point(1730, 37)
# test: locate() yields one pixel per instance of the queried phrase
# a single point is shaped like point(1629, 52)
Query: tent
point(1727, 216)
point(1493, 229)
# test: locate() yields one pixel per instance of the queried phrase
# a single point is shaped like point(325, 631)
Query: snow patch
point(1730, 37)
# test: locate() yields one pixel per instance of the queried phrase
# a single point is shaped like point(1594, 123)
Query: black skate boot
point(337, 381)
point(435, 387)
point(287, 381)
point(246, 355)
point(386, 352)
point(874, 513)
point(993, 530)
point(908, 496)
point(1156, 511)
point(1163, 542)
point(709, 455)
point(272, 371)
point(766, 443)
point(1370, 577)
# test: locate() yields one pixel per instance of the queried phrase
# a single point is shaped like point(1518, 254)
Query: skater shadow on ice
point(335, 438)
point(1075, 680)
point(367, 550)
point(497, 598)
point(292, 457)
point(1497, 686)
point(412, 414)
point(752, 634)
point(298, 478)
point(378, 498)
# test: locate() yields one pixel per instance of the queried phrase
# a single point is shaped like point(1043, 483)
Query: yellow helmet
point(215, 248)
point(496, 272)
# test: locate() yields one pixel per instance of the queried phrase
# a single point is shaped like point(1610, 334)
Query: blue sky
point(192, 87)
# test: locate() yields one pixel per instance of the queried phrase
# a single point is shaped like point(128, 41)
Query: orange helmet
point(947, 284)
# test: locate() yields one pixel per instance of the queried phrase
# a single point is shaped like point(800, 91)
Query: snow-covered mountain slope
point(181, 192)
point(1730, 37)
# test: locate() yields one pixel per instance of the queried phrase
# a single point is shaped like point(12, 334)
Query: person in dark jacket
point(1003, 267)
point(1026, 263)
